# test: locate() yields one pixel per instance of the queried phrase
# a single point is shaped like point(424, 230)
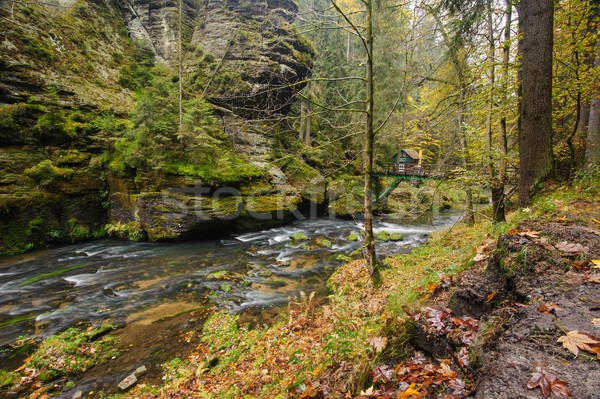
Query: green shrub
point(131, 231)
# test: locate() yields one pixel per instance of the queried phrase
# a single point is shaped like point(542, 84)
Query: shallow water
point(47, 291)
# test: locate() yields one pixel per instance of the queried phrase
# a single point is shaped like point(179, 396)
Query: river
point(47, 291)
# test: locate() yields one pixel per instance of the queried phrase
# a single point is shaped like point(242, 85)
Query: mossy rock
point(342, 257)
point(387, 236)
point(346, 196)
point(220, 275)
point(352, 237)
point(323, 242)
point(299, 237)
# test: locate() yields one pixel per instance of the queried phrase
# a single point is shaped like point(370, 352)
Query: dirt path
point(535, 285)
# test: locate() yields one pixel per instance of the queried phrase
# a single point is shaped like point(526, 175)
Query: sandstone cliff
point(88, 118)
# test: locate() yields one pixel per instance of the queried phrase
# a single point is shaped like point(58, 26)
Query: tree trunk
point(369, 245)
point(307, 137)
point(180, 65)
point(592, 148)
point(462, 85)
point(497, 189)
point(498, 200)
point(535, 141)
point(302, 121)
point(469, 213)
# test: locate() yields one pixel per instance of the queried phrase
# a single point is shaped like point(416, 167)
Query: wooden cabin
point(406, 162)
point(406, 156)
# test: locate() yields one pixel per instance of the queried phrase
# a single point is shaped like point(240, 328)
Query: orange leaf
point(410, 391)
point(431, 287)
point(548, 383)
point(491, 296)
point(548, 308)
point(529, 233)
point(512, 232)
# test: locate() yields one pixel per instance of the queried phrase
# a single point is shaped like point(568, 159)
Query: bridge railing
point(403, 169)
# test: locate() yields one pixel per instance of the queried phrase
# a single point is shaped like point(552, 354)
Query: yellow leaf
point(447, 371)
point(409, 392)
point(574, 341)
point(596, 263)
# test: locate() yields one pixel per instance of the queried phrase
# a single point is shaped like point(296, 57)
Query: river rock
point(128, 382)
point(77, 395)
point(140, 371)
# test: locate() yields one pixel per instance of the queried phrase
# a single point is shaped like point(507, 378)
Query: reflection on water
point(46, 291)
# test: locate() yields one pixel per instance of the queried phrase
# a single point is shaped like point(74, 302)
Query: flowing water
point(44, 292)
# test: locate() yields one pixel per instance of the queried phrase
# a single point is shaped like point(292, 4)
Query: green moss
point(17, 319)
point(324, 242)
point(46, 171)
point(299, 237)
point(36, 48)
point(8, 379)
point(53, 273)
point(342, 257)
point(70, 353)
point(220, 275)
point(307, 180)
point(387, 236)
point(346, 195)
point(352, 237)
point(263, 204)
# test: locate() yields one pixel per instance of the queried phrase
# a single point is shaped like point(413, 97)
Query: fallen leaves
point(546, 308)
point(524, 233)
point(379, 343)
point(574, 341)
point(529, 233)
point(594, 279)
point(571, 249)
point(548, 383)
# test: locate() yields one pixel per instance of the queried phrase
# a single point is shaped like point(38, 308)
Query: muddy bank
point(527, 290)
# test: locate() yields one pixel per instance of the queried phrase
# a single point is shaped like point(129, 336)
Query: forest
point(299, 199)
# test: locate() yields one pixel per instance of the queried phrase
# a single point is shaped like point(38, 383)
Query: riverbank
point(362, 342)
point(155, 289)
point(363, 339)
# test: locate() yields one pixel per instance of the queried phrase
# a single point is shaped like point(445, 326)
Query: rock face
point(65, 104)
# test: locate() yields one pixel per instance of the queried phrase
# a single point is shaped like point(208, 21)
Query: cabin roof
point(412, 153)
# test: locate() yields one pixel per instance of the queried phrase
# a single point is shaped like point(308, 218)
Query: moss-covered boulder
point(346, 196)
point(89, 121)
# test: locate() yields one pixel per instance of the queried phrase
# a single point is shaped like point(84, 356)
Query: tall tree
point(498, 198)
point(592, 149)
point(536, 19)
point(366, 35)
